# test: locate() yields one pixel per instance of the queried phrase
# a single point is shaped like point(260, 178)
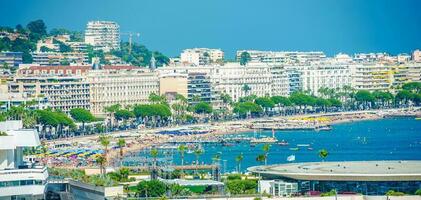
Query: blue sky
point(333, 26)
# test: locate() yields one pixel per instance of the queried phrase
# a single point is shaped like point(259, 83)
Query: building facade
point(173, 83)
point(124, 87)
point(322, 75)
point(19, 179)
point(62, 92)
point(239, 81)
point(103, 35)
point(11, 59)
point(57, 58)
point(282, 56)
point(416, 55)
point(202, 56)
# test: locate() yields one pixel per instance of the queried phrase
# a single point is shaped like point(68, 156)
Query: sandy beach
point(143, 138)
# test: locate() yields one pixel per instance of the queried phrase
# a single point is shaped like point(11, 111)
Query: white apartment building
point(57, 58)
point(282, 56)
point(103, 35)
point(201, 56)
point(62, 92)
point(124, 87)
point(416, 56)
point(19, 179)
point(323, 75)
point(232, 77)
point(372, 76)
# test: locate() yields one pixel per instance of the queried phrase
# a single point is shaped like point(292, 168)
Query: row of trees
point(160, 113)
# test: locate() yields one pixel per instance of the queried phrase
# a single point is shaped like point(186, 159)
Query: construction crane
point(130, 34)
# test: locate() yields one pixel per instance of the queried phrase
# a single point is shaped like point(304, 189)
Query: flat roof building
point(19, 179)
point(366, 177)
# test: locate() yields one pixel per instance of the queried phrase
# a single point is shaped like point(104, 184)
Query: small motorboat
point(294, 149)
point(283, 143)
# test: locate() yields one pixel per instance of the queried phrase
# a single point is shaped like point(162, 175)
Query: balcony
point(30, 181)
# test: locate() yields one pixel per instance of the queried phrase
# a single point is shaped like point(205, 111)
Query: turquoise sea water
point(385, 139)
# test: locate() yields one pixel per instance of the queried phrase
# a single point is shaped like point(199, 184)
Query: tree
point(261, 158)
point(323, 154)
point(37, 30)
point(123, 114)
point(246, 88)
point(181, 149)
point(154, 154)
point(82, 115)
point(152, 188)
point(203, 108)
point(121, 143)
point(265, 102)
point(280, 100)
point(197, 153)
point(244, 108)
point(105, 142)
point(101, 160)
point(239, 159)
point(414, 87)
point(266, 148)
point(403, 96)
point(364, 97)
point(244, 58)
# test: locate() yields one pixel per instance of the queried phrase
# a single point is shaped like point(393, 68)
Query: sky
point(332, 26)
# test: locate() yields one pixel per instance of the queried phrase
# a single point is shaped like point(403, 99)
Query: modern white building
point(103, 35)
point(18, 179)
point(323, 75)
point(119, 86)
point(282, 56)
point(201, 56)
point(278, 188)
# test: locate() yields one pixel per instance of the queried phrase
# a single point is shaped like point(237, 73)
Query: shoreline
point(139, 139)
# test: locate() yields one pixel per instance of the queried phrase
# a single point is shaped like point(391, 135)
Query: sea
point(383, 139)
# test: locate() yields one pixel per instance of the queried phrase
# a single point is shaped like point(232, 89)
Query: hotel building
point(19, 179)
point(231, 79)
point(320, 75)
point(103, 35)
point(119, 86)
point(201, 56)
point(62, 92)
point(173, 83)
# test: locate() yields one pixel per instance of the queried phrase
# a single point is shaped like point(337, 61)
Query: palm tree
point(266, 149)
point(323, 154)
point(121, 143)
point(154, 154)
point(261, 158)
point(105, 142)
point(182, 148)
point(239, 159)
point(246, 88)
point(101, 160)
point(197, 153)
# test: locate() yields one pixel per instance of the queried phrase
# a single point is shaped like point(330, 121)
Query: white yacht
point(19, 179)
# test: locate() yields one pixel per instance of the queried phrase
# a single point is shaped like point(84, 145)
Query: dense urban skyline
point(329, 26)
